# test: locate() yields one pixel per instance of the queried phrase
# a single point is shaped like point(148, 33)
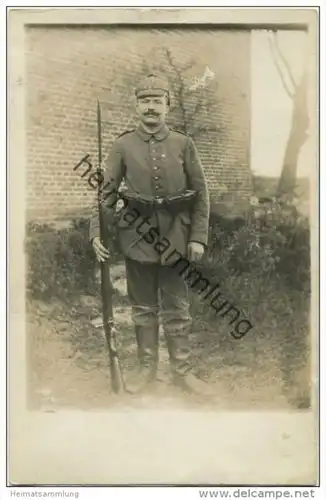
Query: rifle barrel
point(117, 381)
point(99, 135)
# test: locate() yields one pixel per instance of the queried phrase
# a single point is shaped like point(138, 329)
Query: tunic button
point(157, 187)
point(156, 178)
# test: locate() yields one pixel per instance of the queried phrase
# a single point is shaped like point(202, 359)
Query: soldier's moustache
point(151, 113)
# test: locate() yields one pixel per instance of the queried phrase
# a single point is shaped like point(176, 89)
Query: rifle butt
point(117, 383)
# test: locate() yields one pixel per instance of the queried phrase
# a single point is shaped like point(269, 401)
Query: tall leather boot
point(147, 349)
point(182, 369)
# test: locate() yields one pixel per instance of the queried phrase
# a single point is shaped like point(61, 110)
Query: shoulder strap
point(179, 132)
point(126, 132)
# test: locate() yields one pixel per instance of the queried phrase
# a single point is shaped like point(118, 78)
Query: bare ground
point(69, 362)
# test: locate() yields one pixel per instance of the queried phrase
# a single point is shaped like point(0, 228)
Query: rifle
point(117, 382)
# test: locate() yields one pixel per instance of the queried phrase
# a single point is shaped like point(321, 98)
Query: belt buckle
point(159, 200)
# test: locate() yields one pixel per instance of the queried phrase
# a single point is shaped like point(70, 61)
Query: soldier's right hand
point(101, 252)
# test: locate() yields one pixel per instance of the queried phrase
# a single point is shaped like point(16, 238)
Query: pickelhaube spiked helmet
point(152, 85)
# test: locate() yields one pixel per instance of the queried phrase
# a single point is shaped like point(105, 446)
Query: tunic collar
point(159, 136)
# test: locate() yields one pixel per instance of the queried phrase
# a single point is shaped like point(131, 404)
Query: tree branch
point(201, 129)
point(279, 70)
point(181, 87)
point(284, 60)
point(198, 106)
point(189, 65)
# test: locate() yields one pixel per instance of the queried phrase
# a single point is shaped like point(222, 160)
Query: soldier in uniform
point(166, 208)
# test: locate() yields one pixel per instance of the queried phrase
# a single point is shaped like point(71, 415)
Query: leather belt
point(172, 203)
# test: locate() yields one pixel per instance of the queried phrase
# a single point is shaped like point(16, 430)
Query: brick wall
point(67, 68)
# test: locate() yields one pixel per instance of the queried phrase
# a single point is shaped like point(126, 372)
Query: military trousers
point(156, 291)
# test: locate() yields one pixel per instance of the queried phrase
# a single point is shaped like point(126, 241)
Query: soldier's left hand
point(195, 251)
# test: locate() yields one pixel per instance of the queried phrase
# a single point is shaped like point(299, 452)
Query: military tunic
point(155, 166)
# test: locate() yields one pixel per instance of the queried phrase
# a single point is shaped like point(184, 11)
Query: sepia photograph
point(167, 171)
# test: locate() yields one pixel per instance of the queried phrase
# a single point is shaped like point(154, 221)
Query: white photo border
point(16, 321)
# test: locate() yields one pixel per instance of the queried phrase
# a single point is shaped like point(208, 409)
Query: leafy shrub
point(60, 261)
point(273, 240)
point(55, 258)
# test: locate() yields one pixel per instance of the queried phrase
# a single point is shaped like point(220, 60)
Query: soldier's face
point(152, 109)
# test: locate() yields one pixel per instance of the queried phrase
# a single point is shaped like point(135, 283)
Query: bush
point(272, 241)
point(59, 261)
